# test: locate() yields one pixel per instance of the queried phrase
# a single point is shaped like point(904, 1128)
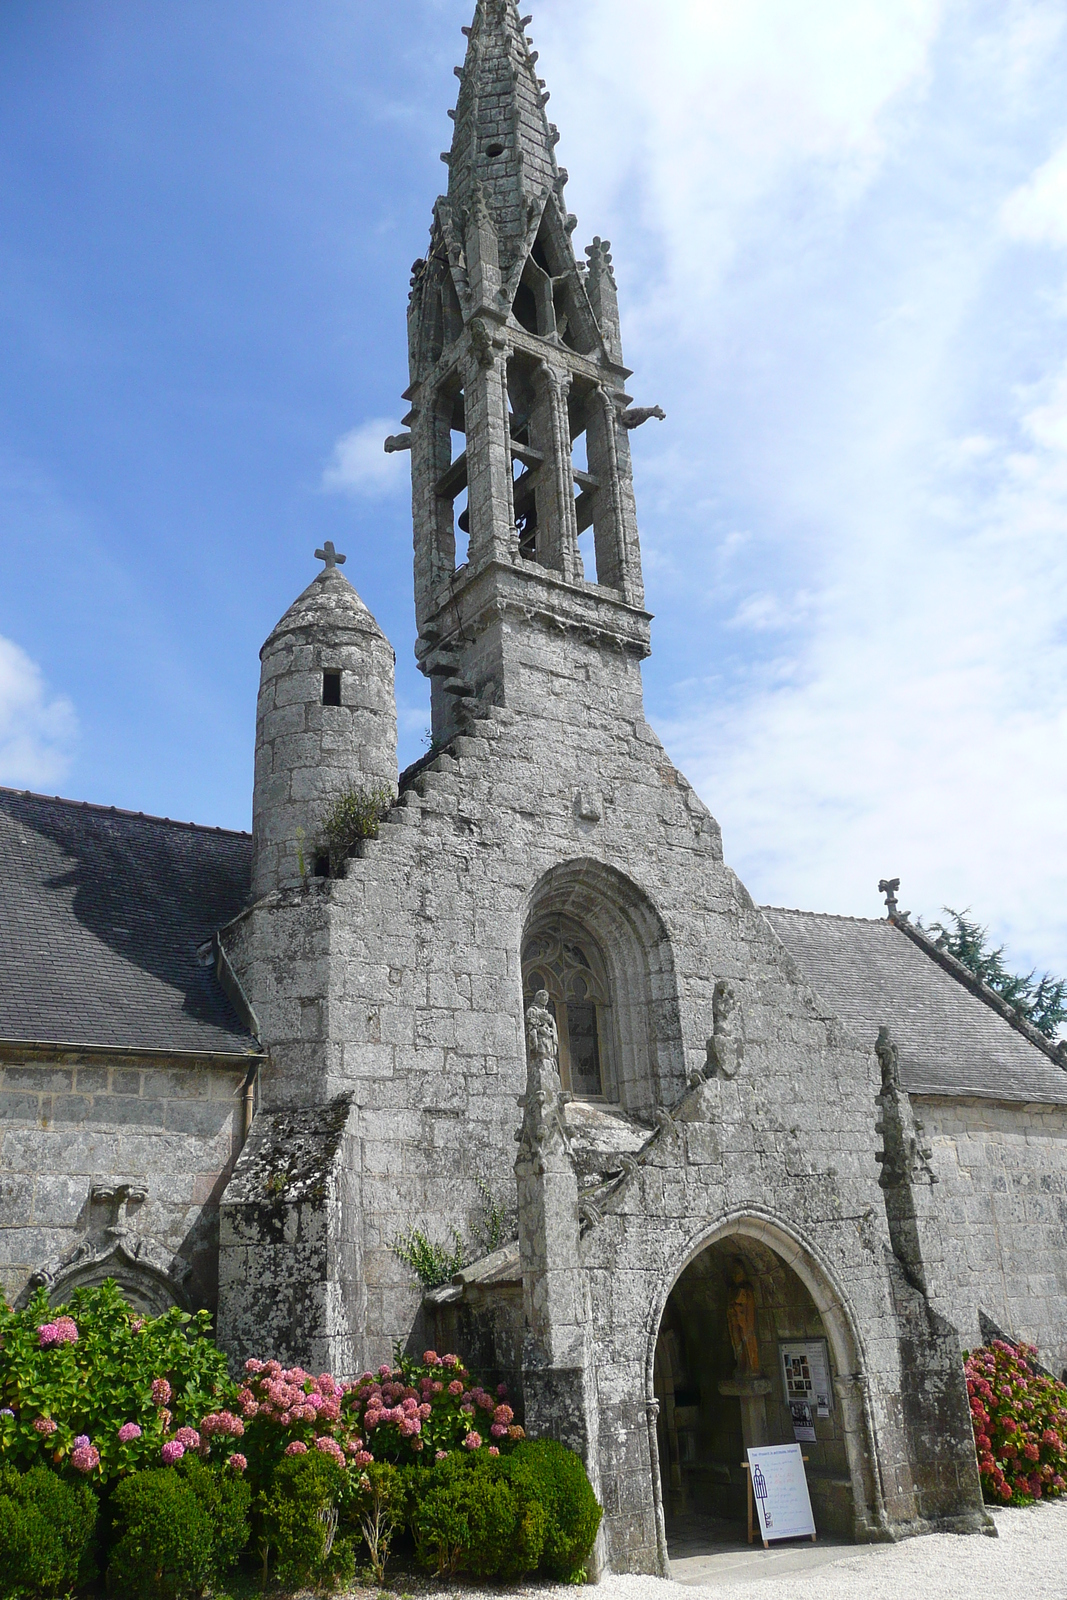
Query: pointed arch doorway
point(740, 1338)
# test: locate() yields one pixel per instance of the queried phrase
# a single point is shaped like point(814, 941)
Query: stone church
point(769, 1171)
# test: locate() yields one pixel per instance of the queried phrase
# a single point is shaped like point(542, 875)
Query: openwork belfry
point(765, 1169)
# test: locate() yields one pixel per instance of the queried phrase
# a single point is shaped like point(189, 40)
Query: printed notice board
point(806, 1371)
point(780, 1490)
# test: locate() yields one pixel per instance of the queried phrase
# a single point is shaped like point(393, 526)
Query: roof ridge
point(119, 811)
point(969, 980)
point(830, 916)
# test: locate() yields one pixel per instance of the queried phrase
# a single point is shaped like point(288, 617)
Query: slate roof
point(101, 915)
point(950, 1041)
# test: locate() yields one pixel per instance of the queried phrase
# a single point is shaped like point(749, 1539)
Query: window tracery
point(560, 957)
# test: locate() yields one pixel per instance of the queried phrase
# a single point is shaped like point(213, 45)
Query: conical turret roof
point(328, 608)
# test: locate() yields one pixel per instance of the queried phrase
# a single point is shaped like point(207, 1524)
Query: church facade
point(766, 1169)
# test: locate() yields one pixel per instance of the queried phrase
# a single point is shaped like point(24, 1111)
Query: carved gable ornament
point(151, 1277)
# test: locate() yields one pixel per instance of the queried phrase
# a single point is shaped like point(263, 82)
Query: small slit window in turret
point(331, 687)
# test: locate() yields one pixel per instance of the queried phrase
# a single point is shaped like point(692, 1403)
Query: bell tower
point(519, 418)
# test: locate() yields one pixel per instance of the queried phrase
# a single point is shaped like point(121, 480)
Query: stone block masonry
point(77, 1126)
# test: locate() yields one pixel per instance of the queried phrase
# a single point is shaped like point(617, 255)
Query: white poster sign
point(780, 1490)
point(806, 1373)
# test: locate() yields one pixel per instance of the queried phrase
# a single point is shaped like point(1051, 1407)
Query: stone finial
point(330, 556)
point(889, 887)
point(599, 253)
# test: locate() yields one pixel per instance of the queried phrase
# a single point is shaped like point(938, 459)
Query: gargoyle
point(634, 416)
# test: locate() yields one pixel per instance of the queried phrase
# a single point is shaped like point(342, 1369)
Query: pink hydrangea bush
point(432, 1405)
point(93, 1389)
point(102, 1392)
point(1020, 1425)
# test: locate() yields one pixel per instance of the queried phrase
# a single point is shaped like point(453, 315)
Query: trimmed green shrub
point(555, 1476)
point(298, 1518)
point(468, 1516)
point(46, 1533)
point(163, 1537)
point(227, 1499)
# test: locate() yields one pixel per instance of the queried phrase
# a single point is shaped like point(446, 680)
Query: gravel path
point(1028, 1559)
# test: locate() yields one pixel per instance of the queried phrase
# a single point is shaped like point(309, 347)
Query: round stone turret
point(325, 725)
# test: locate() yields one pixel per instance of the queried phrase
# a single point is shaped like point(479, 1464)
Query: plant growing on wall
point(354, 816)
point(434, 1264)
point(1020, 1425)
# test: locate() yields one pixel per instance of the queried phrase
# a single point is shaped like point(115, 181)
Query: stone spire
point(503, 147)
point(518, 403)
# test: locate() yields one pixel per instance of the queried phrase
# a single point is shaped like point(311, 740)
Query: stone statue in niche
point(741, 1321)
point(542, 1041)
point(543, 1101)
point(726, 1047)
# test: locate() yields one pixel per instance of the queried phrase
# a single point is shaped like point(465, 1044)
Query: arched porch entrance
point(753, 1347)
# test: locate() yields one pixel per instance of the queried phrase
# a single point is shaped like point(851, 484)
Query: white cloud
point(695, 116)
point(813, 231)
point(1037, 210)
point(360, 466)
point(37, 729)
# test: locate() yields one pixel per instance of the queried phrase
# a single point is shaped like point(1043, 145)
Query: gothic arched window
point(559, 956)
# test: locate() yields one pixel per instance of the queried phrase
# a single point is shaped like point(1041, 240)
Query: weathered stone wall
point(1000, 1209)
point(400, 985)
point(72, 1123)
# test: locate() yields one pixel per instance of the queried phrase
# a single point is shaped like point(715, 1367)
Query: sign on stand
point(779, 1486)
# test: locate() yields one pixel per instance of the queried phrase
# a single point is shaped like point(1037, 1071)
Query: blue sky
point(840, 234)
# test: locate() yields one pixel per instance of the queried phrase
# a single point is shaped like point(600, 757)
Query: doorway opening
point(743, 1359)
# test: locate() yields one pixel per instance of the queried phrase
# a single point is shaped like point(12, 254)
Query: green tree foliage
point(1040, 1001)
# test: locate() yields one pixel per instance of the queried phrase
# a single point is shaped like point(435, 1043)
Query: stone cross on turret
point(330, 556)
